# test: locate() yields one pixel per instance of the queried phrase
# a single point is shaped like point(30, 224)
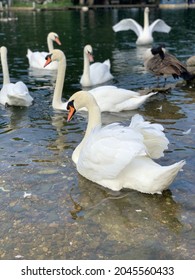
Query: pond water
point(66, 216)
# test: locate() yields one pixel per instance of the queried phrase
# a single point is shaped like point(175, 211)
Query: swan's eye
point(48, 56)
point(71, 110)
point(48, 59)
point(70, 104)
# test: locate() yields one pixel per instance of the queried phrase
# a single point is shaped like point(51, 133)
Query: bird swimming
point(116, 156)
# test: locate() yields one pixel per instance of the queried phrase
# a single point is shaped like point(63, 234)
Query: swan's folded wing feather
point(17, 94)
point(154, 137)
point(100, 73)
point(128, 24)
point(107, 63)
point(108, 151)
point(37, 59)
point(160, 26)
point(17, 89)
point(114, 99)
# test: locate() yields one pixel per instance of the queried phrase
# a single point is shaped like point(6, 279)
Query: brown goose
point(161, 63)
point(191, 64)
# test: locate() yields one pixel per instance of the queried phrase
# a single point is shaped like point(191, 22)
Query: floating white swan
point(12, 94)
point(117, 156)
point(109, 98)
point(144, 34)
point(37, 59)
point(96, 73)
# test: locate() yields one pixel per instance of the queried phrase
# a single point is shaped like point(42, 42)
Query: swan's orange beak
point(57, 40)
point(71, 112)
point(48, 60)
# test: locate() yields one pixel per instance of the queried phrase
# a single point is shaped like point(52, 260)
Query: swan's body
point(96, 73)
point(160, 63)
point(12, 94)
point(117, 156)
point(109, 98)
point(37, 59)
point(144, 34)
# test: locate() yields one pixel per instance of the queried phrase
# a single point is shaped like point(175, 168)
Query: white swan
point(117, 156)
point(37, 59)
point(96, 73)
point(144, 34)
point(109, 98)
point(12, 94)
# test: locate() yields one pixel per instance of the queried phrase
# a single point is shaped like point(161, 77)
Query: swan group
point(37, 59)
point(117, 156)
point(109, 98)
point(12, 94)
point(96, 73)
point(114, 156)
point(144, 34)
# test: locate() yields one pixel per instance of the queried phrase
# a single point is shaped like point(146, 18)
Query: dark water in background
point(36, 145)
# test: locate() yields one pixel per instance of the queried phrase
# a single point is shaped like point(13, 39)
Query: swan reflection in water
point(129, 60)
point(136, 223)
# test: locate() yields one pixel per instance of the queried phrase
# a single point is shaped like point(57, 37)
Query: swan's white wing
point(108, 151)
point(114, 99)
point(154, 137)
point(128, 24)
point(160, 26)
point(37, 60)
point(107, 62)
point(18, 94)
point(100, 73)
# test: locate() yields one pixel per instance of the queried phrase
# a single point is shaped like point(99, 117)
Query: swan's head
point(54, 37)
point(88, 51)
point(147, 10)
point(55, 55)
point(80, 99)
point(3, 50)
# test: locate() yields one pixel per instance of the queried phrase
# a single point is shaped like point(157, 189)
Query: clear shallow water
point(66, 216)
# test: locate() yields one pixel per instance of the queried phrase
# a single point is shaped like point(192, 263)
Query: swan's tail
point(168, 175)
point(107, 62)
point(150, 94)
point(29, 52)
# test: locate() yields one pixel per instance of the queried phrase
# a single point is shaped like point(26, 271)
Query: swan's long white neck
point(146, 19)
point(94, 116)
point(57, 96)
point(6, 79)
point(86, 70)
point(94, 120)
point(50, 44)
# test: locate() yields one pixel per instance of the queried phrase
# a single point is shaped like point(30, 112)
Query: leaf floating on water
point(187, 132)
point(27, 195)
point(19, 257)
point(159, 108)
point(4, 190)
point(138, 210)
